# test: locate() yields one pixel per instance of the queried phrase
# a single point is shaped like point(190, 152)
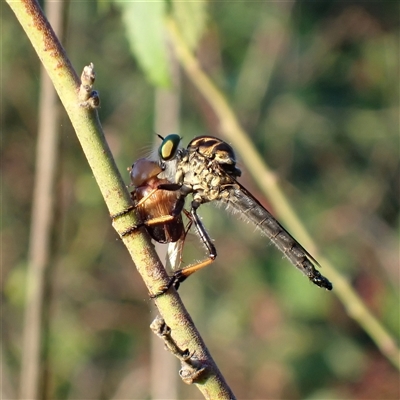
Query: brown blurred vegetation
point(316, 84)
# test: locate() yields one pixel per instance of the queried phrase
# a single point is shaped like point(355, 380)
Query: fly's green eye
point(169, 147)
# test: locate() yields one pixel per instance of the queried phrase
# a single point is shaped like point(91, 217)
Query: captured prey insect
point(160, 207)
point(159, 210)
point(207, 170)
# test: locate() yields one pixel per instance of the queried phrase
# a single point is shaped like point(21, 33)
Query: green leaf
point(144, 21)
point(191, 19)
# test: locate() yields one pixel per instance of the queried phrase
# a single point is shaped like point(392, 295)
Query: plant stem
point(89, 132)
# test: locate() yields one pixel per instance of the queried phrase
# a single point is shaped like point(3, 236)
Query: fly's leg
point(182, 240)
point(189, 224)
point(182, 274)
point(204, 236)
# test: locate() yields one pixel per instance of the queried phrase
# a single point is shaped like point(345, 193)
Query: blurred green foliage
point(316, 84)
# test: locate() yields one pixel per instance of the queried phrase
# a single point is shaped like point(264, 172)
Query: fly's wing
point(240, 200)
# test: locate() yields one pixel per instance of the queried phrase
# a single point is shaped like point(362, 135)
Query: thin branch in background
point(266, 46)
point(7, 389)
point(232, 130)
point(41, 224)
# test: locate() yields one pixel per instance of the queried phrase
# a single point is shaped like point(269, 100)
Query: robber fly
point(207, 170)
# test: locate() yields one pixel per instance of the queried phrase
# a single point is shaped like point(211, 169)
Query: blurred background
point(316, 86)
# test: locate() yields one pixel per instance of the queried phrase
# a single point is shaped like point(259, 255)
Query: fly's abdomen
point(251, 210)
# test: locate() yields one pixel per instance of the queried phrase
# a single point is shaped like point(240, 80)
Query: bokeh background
point(316, 86)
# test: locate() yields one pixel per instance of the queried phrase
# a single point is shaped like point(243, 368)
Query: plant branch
point(268, 182)
point(89, 132)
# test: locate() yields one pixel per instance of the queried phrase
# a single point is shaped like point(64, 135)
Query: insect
point(159, 210)
point(207, 170)
point(160, 207)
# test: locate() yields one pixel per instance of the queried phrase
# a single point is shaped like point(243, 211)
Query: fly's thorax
point(203, 177)
point(217, 152)
point(213, 149)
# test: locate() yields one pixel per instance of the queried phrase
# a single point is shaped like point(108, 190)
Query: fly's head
point(169, 147)
point(169, 156)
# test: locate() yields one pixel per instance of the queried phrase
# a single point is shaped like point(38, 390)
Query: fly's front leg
point(182, 274)
point(176, 249)
point(189, 224)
